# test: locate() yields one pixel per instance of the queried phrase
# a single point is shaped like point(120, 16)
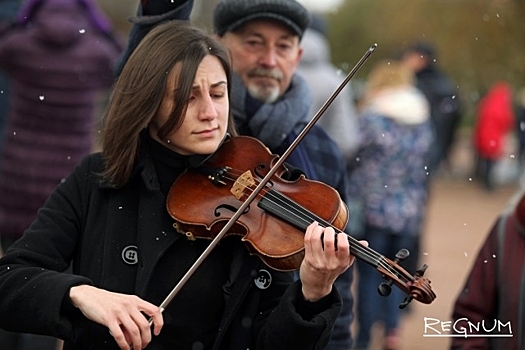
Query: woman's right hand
point(122, 314)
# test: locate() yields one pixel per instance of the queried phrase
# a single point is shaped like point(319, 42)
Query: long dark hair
point(138, 93)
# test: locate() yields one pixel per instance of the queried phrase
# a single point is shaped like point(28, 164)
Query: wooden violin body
point(202, 201)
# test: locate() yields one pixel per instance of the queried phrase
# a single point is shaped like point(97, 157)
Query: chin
point(208, 147)
point(264, 93)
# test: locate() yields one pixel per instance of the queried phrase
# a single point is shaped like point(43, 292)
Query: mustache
point(266, 73)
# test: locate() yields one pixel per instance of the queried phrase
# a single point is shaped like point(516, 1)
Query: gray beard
point(266, 95)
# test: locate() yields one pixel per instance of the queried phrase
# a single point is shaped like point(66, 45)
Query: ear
point(300, 51)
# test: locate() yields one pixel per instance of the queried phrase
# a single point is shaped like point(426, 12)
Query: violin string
point(308, 219)
point(365, 251)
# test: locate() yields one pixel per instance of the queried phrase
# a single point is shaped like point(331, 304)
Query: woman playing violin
point(108, 221)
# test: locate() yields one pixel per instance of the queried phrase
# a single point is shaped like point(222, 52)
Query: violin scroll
point(416, 287)
point(420, 289)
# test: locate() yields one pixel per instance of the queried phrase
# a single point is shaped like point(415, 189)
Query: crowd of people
point(90, 253)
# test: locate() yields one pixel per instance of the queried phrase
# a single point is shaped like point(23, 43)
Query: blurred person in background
point(60, 56)
point(269, 100)
point(323, 78)
point(445, 109)
point(442, 95)
point(494, 290)
point(520, 130)
point(391, 180)
point(495, 122)
point(8, 11)
point(340, 118)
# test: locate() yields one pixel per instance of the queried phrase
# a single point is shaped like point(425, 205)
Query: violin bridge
point(242, 182)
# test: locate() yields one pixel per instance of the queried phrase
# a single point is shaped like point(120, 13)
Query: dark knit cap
point(231, 14)
point(423, 49)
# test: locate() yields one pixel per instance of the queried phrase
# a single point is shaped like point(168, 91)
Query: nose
point(207, 109)
point(268, 57)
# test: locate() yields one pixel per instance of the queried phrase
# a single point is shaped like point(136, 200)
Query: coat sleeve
point(273, 315)
point(34, 275)
point(477, 300)
point(297, 324)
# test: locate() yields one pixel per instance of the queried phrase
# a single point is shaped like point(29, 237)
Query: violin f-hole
point(228, 207)
point(257, 171)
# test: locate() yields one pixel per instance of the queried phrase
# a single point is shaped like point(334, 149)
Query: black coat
point(90, 227)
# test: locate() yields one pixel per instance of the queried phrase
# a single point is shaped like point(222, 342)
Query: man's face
point(265, 55)
point(415, 61)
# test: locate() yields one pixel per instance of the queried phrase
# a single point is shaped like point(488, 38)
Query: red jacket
point(494, 121)
point(495, 288)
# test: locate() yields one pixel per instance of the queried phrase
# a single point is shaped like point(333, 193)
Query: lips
point(207, 132)
point(265, 78)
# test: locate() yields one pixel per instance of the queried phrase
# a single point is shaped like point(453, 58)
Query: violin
point(243, 172)
point(272, 227)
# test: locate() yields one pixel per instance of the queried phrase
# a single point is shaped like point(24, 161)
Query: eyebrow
point(287, 36)
point(222, 82)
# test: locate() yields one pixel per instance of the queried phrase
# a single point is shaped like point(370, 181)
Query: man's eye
point(284, 47)
point(253, 43)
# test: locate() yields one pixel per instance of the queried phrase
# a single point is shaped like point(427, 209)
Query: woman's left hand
point(327, 255)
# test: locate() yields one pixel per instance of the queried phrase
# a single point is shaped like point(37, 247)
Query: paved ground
point(460, 213)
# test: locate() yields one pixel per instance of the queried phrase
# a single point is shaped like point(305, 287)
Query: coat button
point(130, 255)
point(263, 279)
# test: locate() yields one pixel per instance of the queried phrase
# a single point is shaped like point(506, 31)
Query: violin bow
point(262, 183)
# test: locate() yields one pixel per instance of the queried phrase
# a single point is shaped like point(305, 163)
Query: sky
point(320, 5)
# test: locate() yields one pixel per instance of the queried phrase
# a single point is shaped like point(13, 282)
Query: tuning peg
point(405, 302)
point(401, 255)
point(421, 271)
point(385, 288)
